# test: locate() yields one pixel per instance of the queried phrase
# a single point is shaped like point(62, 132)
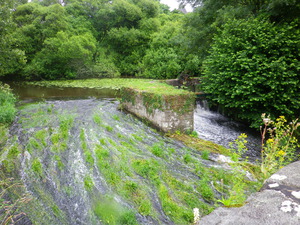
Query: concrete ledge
point(277, 203)
point(168, 113)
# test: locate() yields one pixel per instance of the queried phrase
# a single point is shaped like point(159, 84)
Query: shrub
point(253, 67)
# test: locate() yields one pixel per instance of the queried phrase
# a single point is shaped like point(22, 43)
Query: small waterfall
point(213, 126)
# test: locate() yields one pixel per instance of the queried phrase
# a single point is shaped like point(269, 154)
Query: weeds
point(7, 104)
point(12, 199)
point(279, 149)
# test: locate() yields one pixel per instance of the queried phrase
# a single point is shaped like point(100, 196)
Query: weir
point(84, 162)
point(168, 113)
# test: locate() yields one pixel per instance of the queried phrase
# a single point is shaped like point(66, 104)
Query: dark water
point(30, 92)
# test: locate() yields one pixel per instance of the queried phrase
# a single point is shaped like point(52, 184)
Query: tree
point(253, 67)
point(62, 56)
point(161, 63)
point(11, 58)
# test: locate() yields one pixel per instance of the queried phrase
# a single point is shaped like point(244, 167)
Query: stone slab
point(277, 203)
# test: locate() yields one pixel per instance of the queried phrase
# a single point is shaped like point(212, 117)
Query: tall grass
point(7, 104)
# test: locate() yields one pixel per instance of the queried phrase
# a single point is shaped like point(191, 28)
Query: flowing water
point(85, 162)
point(212, 126)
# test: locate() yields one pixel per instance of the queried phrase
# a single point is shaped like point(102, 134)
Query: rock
point(277, 203)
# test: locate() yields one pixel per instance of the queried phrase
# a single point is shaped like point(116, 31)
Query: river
point(85, 162)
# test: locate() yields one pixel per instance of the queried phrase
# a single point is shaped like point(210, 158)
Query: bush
point(7, 104)
point(160, 64)
point(253, 67)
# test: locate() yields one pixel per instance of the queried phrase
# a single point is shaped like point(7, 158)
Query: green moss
point(68, 190)
point(116, 117)
point(88, 183)
point(42, 135)
point(205, 190)
point(199, 144)
point(112, 142)
point(157, 149)
point(101, 153)
point(56, 210)
point(126, 144)
point(33, 144)
point(97, 119)
point(108, 128)
point(9, 162)
point(37, 167)
point(55, 138)
point(156, 98)
point(120, 136)
point(137, 137)
point(3, 134)
point(179, 214)
point(34, 115)
point(205, 155)
point(66, 123)
point(117, 83)
point(89, 157)
point(111, 212)
point(187, 158)
point(147, 169)
point(13, 152)
point(60, 164)
point(152, 101)
point(103, 141)
point(87, 153)
point(135, 194)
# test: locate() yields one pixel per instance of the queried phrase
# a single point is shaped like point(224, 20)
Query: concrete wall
point(170, 117)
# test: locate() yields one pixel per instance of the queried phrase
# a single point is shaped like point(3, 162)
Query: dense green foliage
point(249, 52)
point(80, 39)
point(254, 67)
point(47, 40)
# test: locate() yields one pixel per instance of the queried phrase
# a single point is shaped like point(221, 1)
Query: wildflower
point(270, 141)
point(280, 153)
point(281, 118)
